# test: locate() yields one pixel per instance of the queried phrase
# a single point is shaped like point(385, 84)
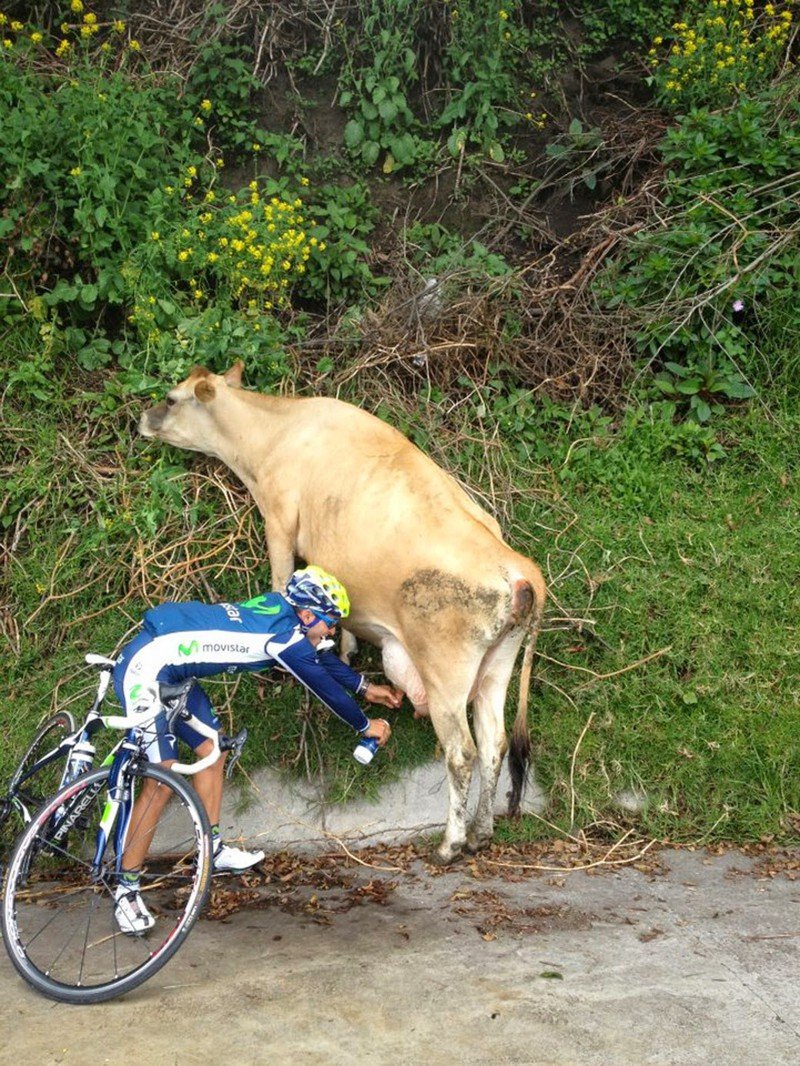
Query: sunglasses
point(332, 622)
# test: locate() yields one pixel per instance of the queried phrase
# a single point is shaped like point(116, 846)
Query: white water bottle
point(80, 761)
point(365, 750)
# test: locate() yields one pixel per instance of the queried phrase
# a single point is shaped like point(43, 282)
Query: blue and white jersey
point(183, 640)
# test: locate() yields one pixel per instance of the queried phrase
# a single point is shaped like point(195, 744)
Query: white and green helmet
point(313, 589)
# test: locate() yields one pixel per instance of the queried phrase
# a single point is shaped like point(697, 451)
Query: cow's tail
point(519, 750)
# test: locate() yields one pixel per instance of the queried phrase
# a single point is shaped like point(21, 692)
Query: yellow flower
point(198, 294)
point(36, 38)
point(155, 235)
point(169, 190)
point(219, 163)
point(504, 15)
point(135, 46)
point(17, 26)
point(75, 172)
point(76, 6)
point(210, 196)
point(184, 255)
point(304, 181)
point(63, 48)
point(90, 19)
point(256, 146)
point(7, 42)
point(118, 26)
point(205, 105)
point(3, 19)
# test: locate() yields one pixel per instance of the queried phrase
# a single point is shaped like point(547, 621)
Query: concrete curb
point(274, 812)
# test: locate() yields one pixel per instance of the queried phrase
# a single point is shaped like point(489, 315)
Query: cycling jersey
point(183, 640)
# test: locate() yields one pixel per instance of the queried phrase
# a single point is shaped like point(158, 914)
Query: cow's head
point(186, 417)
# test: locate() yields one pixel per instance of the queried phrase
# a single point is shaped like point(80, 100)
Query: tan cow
point(430, 579)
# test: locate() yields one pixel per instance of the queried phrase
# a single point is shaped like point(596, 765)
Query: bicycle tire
point(46, 781)
point(57, 918)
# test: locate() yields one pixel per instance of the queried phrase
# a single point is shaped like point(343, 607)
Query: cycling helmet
point(315, 590)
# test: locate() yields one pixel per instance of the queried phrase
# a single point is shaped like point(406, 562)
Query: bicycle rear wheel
point(58, 912)
point(45, 782)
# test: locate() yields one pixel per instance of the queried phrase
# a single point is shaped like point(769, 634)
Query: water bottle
point(80, 761)
point(365, 750)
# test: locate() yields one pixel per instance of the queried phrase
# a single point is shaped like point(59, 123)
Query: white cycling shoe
point(131, 913)
point(235, 860)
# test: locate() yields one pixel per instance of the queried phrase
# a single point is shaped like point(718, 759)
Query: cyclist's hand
point(380, 729)
point(386, 695)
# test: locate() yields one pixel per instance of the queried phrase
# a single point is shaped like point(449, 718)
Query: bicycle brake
point(234, 745)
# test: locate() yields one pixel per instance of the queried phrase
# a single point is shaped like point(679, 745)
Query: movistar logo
point(189, 649)
point(134, 692)
point(258, 606)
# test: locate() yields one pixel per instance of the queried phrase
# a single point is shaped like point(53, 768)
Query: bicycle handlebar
point(139, 719)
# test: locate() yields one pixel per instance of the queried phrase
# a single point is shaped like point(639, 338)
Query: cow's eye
point(171, 401)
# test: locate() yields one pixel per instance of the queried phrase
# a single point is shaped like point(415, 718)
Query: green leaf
point(496, 152)
point(387, 110)
point(353, 133)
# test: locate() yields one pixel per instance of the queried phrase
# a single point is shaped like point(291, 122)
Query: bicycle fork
point(116, 816)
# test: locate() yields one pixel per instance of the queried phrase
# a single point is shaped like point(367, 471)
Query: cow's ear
point(233, 377)
point(204, 391)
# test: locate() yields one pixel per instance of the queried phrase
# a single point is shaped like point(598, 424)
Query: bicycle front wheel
point(26, 797)
point(58, 905)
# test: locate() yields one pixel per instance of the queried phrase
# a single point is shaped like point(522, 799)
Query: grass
point(706, 567)
point(697, 565)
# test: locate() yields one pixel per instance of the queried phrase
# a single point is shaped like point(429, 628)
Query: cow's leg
point(281, 535)
point(450, 723)
point(488, 723)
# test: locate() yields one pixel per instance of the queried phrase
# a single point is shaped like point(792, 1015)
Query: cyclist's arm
point(295, 654)
point(346, 676)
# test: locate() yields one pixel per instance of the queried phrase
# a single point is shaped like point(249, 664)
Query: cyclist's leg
point(207, 783)
point(136, 683)
point(150, 801)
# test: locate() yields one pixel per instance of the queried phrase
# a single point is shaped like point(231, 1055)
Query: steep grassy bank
point(690, 573)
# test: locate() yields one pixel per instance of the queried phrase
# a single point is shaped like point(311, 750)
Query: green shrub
point(720, 50)
point(86, 136)
point(700, 283)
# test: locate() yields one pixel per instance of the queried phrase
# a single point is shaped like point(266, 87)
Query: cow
point(431, 581)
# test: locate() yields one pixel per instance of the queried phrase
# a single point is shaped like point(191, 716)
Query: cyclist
point(192, 640)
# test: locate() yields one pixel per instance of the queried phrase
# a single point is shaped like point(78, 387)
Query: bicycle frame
point(117, 812)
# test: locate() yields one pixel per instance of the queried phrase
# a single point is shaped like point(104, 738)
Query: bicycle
point(57, 915)
point(44, 769)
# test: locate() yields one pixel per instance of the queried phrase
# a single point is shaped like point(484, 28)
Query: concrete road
point(695, 964)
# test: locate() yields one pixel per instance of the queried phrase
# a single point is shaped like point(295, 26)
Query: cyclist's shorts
point(134, 672)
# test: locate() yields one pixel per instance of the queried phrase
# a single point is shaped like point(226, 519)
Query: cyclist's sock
point(130, 878)
point(216, 838)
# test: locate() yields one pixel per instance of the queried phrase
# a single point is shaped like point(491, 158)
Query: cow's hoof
point(444, 858)
point(477, 843)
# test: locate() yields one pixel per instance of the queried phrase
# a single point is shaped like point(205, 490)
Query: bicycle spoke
point(59, 909)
